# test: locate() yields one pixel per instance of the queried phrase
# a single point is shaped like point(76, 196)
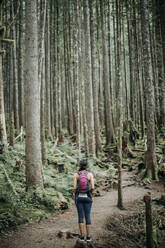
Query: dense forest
point(79, 79)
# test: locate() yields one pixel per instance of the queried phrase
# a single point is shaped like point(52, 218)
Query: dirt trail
point(44, 234)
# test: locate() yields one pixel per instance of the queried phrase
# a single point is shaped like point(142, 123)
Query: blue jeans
point(84, 205)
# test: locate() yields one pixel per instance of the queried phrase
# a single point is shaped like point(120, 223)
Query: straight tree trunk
point(107, 101)
point(162, 84)
point(88, 83)
point(33, 147)
point(20, 67)
point(150, 108)
point(47, 72)
point(120, 103)
point(77, 72)
point(11, 129)
point(41, 76)
point(3, 136)
point(15, 73)
point(94, 78)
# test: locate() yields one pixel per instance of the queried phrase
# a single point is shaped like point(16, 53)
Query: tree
point(151, 164)
point(88, 82)
point(107, 102)
point(94, 78)
point(41, 75)
point(120, 103)
point(15, 74)
point(161, 8)
point(33, 147)
point(20, 66)
point(3, 136)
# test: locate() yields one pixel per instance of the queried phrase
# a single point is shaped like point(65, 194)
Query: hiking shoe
point(88, 239)
point(80, 238)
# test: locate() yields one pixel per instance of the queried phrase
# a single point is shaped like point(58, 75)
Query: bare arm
point(92, 182)
point(75, 183)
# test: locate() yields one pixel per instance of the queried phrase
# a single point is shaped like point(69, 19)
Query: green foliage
point(147, 180)
point(58, 187)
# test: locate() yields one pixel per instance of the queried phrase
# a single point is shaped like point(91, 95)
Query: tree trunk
point(41, 76)
point(120, 103)
point(77, 73)
point(162, 84)
point(3, 136)
point(33, 147)
point(150, 108)
point(107, 101)
point(12, 129)
point(20, 67)
point(88, 83)
point(15, 73)
point(94, 78)
point(47, 72)
point(149, 227)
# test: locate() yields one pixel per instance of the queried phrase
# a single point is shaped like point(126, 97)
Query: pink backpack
point(83, 182)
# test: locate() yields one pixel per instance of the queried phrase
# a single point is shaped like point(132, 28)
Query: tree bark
point(88, 83)
point(150, 107)
point(41, 76)
point(107, 102)
point(120, 103)
point(94, 78)
point(33, 147)
point(149, 228)
point(77, 74)
point(20, 67)
point(3, 136)
point(15, 73)
point(162, 84)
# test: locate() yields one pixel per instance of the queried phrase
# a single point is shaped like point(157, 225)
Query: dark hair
point(83, 164)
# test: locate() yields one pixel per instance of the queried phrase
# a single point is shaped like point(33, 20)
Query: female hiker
point(83, 187)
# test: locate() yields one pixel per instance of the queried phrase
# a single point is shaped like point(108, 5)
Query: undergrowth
point(128, 229)
point(62, 162)
point(57, 195)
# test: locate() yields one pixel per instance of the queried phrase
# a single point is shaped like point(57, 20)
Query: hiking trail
point(44, 233)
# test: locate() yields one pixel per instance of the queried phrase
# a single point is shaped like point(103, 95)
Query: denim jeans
point(84, 205)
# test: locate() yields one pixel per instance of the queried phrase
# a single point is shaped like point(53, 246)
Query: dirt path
point(44, 234)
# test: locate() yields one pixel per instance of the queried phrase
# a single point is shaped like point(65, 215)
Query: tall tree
point(151, 163)
point(88, 82)
point(33, 147)
point(94, 77)
point(20, 66)
point(15, 74)
point(41, 75)
point(162, 84)
point(3, 136)
point(120, 102)
point(107, 101)
point(77, 73)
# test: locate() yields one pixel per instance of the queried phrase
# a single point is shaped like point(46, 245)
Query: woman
point(83, 187)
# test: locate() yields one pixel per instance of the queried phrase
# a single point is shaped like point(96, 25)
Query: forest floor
point(44, 234)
